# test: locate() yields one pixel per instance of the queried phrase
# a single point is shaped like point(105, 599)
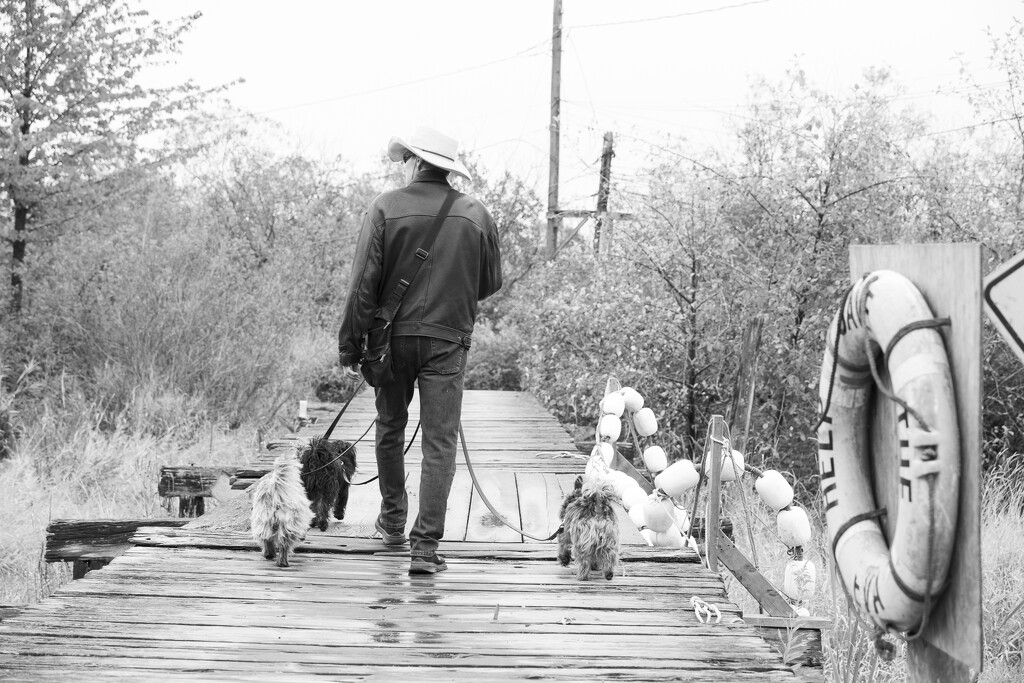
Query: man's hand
point(352, 371)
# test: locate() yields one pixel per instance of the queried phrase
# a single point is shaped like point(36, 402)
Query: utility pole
point(556, 87)
point(603, 225)
point(602, 217)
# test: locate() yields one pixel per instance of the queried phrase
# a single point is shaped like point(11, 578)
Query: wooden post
point(191, 506)
point(715, 489)
point(949, 278)
point(556, 88)
point(746, 381)
point(603, 227)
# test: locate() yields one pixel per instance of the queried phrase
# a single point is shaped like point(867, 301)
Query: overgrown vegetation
point(167, 302)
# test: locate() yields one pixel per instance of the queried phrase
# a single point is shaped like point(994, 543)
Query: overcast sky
point(345, 76)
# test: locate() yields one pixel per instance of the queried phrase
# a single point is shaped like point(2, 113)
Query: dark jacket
point(464, 266)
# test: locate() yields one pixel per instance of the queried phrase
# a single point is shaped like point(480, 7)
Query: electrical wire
point(710, 10)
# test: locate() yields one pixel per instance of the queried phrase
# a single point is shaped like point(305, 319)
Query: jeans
point(438, 366)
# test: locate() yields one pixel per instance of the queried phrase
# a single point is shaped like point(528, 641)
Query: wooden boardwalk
point(200, 602)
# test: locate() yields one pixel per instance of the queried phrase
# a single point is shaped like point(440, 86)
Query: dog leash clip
point(704, 611)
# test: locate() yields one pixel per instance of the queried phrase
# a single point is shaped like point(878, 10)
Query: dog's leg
point(268, 549)
point(342, 502)
point(564, 548)
point(584, 561)
point(282, 558)
point(321, 509)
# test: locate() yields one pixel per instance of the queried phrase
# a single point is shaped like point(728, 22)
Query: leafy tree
point(69, 88)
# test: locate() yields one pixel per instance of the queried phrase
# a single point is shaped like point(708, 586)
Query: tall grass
point(77, 459)
point(848, 648)
point(68, 467)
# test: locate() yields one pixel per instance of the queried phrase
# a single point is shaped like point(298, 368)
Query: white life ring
point(893, 584)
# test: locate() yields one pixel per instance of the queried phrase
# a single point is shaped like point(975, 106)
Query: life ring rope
point(918, 325)
point(910, 327)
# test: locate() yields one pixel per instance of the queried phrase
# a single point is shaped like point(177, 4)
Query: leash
point(341, 412)
point(405, 452)
point(483, 496)
point(327, 435)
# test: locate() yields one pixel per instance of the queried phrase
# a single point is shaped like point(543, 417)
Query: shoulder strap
point(421, 255)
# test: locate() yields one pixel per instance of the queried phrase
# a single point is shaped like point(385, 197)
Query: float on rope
point(657, 518)
point(892, 585)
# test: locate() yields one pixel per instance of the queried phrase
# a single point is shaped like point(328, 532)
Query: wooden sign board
point(949, 277)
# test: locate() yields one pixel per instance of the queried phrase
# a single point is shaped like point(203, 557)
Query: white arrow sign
point(1004, 301)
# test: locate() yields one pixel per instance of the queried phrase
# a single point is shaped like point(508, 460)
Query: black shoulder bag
point(376, 362)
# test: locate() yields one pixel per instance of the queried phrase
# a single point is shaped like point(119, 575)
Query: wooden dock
point(200, 603)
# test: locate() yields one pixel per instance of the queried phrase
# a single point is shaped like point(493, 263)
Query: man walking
point(432, 328)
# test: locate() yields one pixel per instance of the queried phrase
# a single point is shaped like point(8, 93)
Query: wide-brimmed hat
point(433, 147)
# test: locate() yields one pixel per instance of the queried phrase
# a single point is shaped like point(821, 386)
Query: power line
point(522, 53)
point(967, 127)
point(710, 10)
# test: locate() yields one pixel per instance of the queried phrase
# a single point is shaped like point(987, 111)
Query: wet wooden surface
point(201, 603)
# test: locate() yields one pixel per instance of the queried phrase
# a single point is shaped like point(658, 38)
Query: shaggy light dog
point(280, 510)
point(327, 471)
point(590, 528)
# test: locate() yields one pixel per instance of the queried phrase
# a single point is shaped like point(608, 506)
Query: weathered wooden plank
point(175, 663)
point(608, 597)
point(501, 490)
point(457, 513)
point(766, 594)
point(536, 558)
point(8, 611)
point(182, 480)
point(95, 539)
point(503, 639)
point(471, 575)
point(64, 667)
point(540, 503)
point(307, 614)
point(797, 640)
point(421, 649)
point(202, 538)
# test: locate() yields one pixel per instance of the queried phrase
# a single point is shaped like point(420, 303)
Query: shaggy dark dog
point(327, 471)
point(590, 527)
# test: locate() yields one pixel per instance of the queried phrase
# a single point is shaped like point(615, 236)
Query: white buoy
point(732, 466)
point(610, 427)
point(670, 538)
point(773, 489)
point(613, 404)
point(655, 459)
point(658, 513)
point(794, 527)
point(645, 422)
point(607, 452)
point(678, 478)
point(632, 398)
point(636, 515)
point(634, 498)
point(682, 518)
point(800, 579)
point(620, 482)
